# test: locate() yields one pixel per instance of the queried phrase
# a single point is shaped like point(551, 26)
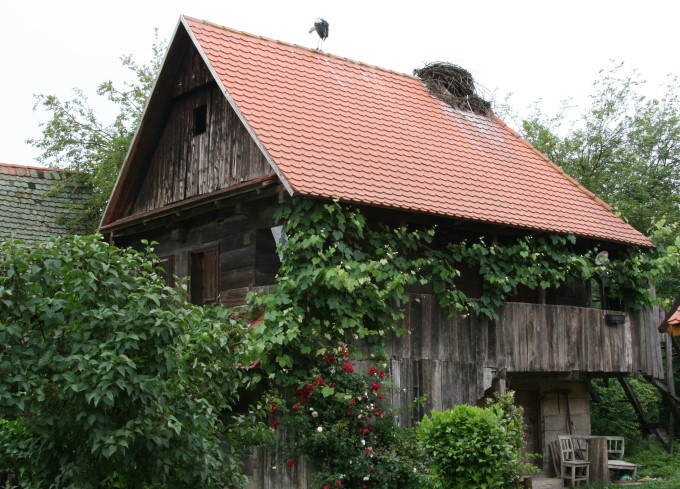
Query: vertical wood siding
point(186, 165)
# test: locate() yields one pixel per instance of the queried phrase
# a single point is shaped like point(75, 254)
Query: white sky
point(549, 49)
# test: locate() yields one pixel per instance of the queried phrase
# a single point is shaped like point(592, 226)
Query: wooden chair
point(616, 446)
point(573, 469)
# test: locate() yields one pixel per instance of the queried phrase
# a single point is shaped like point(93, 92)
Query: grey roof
point(32, 201)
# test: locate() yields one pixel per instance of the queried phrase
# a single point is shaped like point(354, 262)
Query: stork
point(321, 28)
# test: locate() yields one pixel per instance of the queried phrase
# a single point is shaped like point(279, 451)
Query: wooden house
point(238, 124)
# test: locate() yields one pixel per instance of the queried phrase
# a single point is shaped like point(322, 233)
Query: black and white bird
point(321, 28)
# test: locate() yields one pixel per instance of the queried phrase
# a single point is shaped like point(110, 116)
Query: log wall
point(246, 251)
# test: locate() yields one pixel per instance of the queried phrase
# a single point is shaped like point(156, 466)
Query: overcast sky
point(535, 49)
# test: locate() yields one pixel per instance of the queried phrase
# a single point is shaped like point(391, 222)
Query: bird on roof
point(321, 28)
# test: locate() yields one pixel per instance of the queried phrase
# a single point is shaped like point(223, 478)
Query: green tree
point(624, 147)
point(109, 377)
point(75, 137)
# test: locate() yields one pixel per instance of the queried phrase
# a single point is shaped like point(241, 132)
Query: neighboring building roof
point(31, 202)
point(671, 323)
point(335, 128)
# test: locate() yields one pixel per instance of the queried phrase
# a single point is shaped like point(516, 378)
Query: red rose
point(291, 462)
point(347, 367)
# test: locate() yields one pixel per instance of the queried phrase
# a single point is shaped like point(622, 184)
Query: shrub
point(469, 446)
point(346, 429)
point(107, 376)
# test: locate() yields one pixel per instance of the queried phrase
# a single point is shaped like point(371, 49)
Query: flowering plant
point(345, 427)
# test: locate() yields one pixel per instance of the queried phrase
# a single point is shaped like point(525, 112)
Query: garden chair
point(573, 469)
point(616, 446)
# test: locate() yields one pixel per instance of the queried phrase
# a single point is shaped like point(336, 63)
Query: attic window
point(200, 119)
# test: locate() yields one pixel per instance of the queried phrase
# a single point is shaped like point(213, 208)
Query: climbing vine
point(344, 279)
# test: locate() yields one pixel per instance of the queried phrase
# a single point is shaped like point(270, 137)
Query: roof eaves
point(564, 174)
point(184, 20)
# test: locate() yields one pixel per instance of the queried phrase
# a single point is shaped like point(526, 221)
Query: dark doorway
point(528, 397)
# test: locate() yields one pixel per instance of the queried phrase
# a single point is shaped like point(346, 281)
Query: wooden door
point(528, 397)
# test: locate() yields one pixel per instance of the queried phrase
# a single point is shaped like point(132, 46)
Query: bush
point(109, 378)
point(345, 428)
point(469, 446)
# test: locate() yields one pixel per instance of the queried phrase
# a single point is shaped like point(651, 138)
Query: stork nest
point(453, 85)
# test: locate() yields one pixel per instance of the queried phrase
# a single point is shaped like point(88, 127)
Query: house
point(34, 206)
point(671, 322)
point(238, 124)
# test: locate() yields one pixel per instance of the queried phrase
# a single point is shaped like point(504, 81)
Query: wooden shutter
point(204, 274)
point(210, 268)
point(167, 262)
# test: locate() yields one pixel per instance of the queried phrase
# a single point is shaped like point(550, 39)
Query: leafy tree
point(109, 377)
point(614, 414)
point(76, 138)
point(623, 147)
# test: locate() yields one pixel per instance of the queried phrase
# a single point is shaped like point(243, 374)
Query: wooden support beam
point(647, 426)
point(671, 399)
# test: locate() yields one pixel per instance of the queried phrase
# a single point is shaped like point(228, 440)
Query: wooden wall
point(185, 164)
point(563, 408)
point(246, 250)
point(446, 357)
point(549, 338)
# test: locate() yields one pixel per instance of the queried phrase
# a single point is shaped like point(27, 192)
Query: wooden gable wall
point(185, 164)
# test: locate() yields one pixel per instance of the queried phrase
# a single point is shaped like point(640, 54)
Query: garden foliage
point(108, 378)
point(470, 446)
point(344, 426)
point(344, 279)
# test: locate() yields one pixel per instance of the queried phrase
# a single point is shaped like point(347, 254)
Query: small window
point(204, 273)
point(200, 119)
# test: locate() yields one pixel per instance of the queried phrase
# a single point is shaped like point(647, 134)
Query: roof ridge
point(301, 48)
point(28, 167)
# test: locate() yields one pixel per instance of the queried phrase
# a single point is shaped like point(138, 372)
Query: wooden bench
point(615, 450)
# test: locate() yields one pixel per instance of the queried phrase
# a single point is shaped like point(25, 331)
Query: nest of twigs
point(454, 85)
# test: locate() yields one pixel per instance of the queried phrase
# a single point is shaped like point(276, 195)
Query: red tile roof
point(335, 128)
point(671, 323)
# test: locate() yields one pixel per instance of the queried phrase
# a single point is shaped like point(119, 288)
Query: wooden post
point(670, 381)
point(647, 427)
point(599, 461)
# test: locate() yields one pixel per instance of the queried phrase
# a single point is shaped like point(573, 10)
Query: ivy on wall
point(344, 278)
